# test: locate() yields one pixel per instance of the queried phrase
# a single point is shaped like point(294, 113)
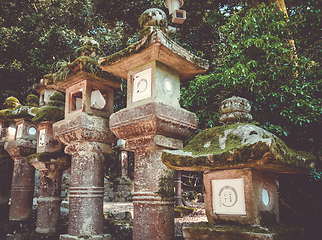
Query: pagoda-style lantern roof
point(154, 45)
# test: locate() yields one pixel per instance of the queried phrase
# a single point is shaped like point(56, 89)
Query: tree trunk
point(280, 4)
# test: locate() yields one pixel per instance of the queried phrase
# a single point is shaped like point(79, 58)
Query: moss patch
point(210, 231)
point(49, 157)
point(181, 211)
point(166, 185)
point(242, 145)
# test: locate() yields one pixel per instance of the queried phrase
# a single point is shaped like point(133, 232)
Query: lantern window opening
point(77, 100)
point(41, 99)
point(99, 99)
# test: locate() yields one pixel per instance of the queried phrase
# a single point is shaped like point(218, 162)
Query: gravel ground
point(197, 216)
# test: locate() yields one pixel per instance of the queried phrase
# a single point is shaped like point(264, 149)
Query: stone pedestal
point(6, 169)
point(49, 192)
point(88, 139)
point(23, 179)
point(149, 129)
point(209, 231)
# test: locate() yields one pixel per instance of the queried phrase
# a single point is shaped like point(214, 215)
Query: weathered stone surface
point(208, 231)
point(155, 46)
point(6, 170)
point(153, 118)
point(153, 17)
point(254, 182)
point(46, 140)
point(22, 189)
point(86, 191)
point(20, 148)
point(84, 127)
point(238, 146)
point(235, 104)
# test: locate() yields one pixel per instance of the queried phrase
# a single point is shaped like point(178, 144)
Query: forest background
point(268, 54)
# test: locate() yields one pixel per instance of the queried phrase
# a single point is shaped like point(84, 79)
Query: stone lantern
point(24, 145)
point(51, 161)
point(7, 133)
point(85, 132)
point(239, 161)
point(153, 119)
point(45, 91)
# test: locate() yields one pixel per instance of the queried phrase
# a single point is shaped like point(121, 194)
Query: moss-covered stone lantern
point(153, 120)
point(239, 161)
point(85, 132)
point(24, 145)
point(51, 161)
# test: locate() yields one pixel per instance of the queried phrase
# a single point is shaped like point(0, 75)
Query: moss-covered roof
point(154, 45)
point(54, 112)
point(238, 146)
point(28, 111)
point(8, 106)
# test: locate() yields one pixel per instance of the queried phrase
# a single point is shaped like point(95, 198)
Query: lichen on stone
point(166, 185)
point(49, 157)
point(238, 146)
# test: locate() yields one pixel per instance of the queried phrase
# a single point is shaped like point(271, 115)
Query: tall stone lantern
point(153, 119)
point(85, 132)
point(51, 161)
point(7, 133)
point(23, 179)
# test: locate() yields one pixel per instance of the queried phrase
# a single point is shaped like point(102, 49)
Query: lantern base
point(210, 231)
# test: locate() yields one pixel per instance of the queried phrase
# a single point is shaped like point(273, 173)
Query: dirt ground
point(197, 216)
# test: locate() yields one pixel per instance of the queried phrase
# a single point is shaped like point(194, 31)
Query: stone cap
point(82, 75)
point(155, 46)
point(238, 146)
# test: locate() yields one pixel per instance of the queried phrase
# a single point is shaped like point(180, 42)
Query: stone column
point(153, 189)
point(86, 189)
point(23, 180)
point(177, 187)
point(49, 193)
point(85, 220)
point(6, 168)
point(123, 158)
point(153, 181)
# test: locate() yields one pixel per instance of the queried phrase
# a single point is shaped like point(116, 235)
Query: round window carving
point(265, 197)
point(32, 131)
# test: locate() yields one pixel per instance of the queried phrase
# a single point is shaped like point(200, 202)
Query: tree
point(35, 34)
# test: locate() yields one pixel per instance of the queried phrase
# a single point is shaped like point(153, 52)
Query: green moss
point(57, 96)
point(211, 231)
point(165, 184)
point(54, 112)
point(11, 103)
point(222, 148)
point(22, 112)
point(181, 211)
point(267, 218)
point(32, 100)
point(49, 157)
